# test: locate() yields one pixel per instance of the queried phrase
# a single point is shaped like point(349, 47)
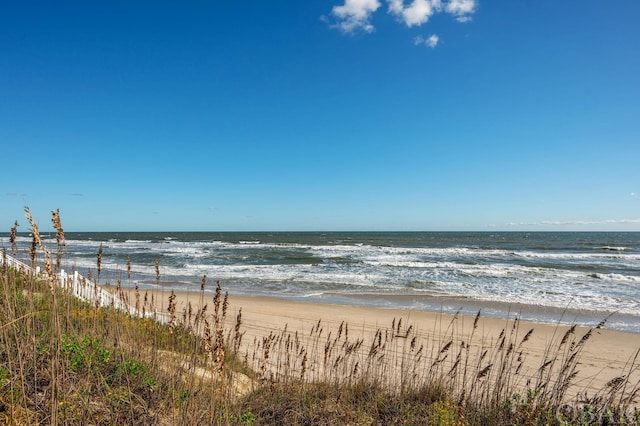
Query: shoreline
point(608, 353)
point(539, 314)
point(448, 304)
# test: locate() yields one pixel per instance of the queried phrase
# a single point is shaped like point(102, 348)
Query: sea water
point(550, 277)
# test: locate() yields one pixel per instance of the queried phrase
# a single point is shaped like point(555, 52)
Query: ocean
point(541, 276)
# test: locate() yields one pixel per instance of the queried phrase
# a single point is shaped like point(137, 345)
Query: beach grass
point(166, 362)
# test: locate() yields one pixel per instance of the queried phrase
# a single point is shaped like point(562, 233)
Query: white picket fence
point(82, 288)
point(90, 292)
point(14, 263)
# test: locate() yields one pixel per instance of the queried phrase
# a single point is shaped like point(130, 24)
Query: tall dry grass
point(64, 361)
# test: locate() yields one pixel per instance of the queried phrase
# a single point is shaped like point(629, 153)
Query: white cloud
point(417, 13)
point(577, 222)
point(461, 9)
point(431, 41)
point(355, 14)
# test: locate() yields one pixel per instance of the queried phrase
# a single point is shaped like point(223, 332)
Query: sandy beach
point(607, 354)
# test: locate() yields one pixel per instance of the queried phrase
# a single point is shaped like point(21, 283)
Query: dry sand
point(607, 354)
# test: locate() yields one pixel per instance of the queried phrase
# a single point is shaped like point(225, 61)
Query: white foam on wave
point(576, 256)
point(181, 251)
point(613, 248)
point(620, 277)
point(312, 295)
point(294, 275)
point(545, 278)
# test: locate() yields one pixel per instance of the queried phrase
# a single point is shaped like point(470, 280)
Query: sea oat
point(208, 343)
point(545, 365)
point(216, 299)
point(476, 319)
point(266, 344)
point(35, 233)
point(32, 249)
point(225, 305)
point(452, 371)
point(172, 312)
point(137, 290)
point(37, 240)
point(190, 313)
point(409, 329)
point(12, 238)
point(238, 335)
point(60, 240)
point(484, 371)
point(99, 262)
point(446, 347)
point(569, 332)
point(219, 350)
point(526, 337)
point(616, 382)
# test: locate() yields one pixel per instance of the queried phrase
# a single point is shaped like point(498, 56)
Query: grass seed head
point(225, 305)
point(526, 336)
point(484, 371)
point(99, 262)
point(568, 333)
point(60, 240)
point(476, 319)
point(157, 269)
point(172, 312)
point(12, 238)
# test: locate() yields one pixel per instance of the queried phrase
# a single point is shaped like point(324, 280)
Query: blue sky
point(325, 115)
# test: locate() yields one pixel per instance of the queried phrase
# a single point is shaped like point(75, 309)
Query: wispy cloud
point(417, 13)
point(461, 9)
point(576, 222)
point(355, 15)
point(431, 41)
